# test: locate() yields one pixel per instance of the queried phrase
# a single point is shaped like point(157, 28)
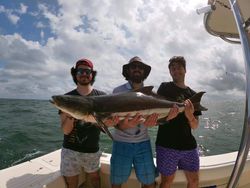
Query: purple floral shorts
point(168, 160)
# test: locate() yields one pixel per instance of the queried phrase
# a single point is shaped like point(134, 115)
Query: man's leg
point(71, 181)
point(190, 163)
point(149, 186)
point(144, 164)
point(116, 186)
point(193, 179)
point(70, 168)
point(121, 163)
point(94, 179)
point(91, 164)
point(166, 181)
point(167, 161)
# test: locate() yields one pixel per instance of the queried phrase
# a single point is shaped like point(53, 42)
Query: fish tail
point(196, 99)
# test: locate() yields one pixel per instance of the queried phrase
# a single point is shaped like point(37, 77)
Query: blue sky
point(40, 40)
point(26, 19)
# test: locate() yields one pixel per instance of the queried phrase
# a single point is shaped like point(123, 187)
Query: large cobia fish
point(97, 108)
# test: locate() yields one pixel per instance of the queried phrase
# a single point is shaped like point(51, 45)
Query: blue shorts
point(124, 155)
point(169, 159)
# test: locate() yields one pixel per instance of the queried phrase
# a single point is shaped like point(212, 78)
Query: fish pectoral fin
point(103, 127)
point(100, 127)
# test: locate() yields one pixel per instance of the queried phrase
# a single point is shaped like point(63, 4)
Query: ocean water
point(31, 128)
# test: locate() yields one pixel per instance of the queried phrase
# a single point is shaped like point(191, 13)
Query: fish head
point(77, 106)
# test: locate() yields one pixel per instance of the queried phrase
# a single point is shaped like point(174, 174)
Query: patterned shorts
point(72, 162)
point(169, 159)
point(139, 155)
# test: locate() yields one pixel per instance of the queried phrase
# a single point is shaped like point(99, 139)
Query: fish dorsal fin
point(147, 90)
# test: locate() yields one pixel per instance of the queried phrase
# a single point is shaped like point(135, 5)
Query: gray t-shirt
point(131, 135)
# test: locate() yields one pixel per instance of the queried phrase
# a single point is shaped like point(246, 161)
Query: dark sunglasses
point(134, 66)
point(80, 71)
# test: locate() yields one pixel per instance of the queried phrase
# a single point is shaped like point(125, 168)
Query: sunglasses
point(134, 66)
point(81, 71)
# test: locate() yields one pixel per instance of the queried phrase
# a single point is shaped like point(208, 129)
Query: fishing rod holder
point(247, 25)
point(205, 9)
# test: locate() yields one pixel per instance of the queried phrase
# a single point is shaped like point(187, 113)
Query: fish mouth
point(52, 102)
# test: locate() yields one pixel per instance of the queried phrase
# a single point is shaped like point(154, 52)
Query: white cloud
point(40, 25)
point(14, 14)
point(110, 32)
point(13, 18)
point(2, 9)
point(42, 35)
point(23, 8)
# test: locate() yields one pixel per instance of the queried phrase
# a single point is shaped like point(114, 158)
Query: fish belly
point(163, 112)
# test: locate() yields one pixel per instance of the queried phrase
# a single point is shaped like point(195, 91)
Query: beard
point(136, 78)
point(84, 81)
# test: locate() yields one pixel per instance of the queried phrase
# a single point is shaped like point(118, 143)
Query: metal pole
point(245, 139)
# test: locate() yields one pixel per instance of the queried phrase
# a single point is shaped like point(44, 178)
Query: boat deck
point(43, 172)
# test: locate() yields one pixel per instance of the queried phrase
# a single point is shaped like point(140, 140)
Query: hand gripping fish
point(97, 108)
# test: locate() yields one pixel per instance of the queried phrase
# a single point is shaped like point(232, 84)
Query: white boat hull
point(44, 172)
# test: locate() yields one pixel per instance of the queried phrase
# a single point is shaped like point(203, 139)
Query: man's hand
point(130, 123)
point(67, 123)
point(189, 113)
point(111, 121)
point(189, 109)
point(173, 113)
point(151, 120)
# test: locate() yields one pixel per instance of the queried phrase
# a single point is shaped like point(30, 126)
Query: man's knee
point(71, 181)
point(167, 180)
point(192, 177)
point(94, 176)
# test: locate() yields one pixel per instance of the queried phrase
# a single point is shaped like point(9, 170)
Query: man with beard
point(81, 139)
point(131, 145)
